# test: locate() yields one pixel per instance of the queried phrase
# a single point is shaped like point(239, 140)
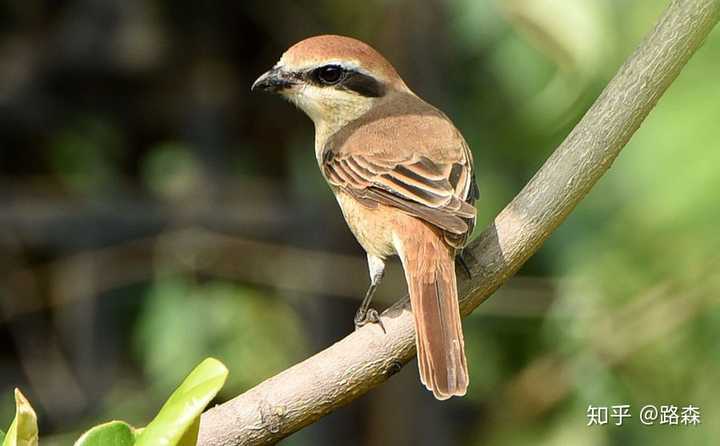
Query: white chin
point(302, 102)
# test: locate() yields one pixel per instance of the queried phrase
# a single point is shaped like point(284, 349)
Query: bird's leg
point(461, 260)
point(365, 314)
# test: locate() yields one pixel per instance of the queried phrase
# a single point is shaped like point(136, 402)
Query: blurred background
point(153, 212)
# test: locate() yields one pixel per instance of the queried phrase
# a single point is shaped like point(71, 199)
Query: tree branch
point(309, 390)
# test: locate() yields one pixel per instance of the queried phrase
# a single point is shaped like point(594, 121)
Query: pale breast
point(372, 227)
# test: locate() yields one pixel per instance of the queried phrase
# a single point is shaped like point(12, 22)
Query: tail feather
point(430, 273)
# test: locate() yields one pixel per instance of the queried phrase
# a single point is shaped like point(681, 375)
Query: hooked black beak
point(274, 81)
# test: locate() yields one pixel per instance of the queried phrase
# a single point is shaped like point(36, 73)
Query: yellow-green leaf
point(177, 422)
point(113, 433)
point(23, 430)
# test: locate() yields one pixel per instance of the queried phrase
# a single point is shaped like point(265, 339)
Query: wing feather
point(435, 192)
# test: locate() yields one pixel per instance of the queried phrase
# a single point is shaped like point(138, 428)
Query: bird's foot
point(368, 316)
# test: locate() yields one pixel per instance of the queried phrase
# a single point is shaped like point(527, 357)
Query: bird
point(403, 176)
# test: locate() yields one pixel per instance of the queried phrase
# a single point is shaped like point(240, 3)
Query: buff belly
point(373, 227)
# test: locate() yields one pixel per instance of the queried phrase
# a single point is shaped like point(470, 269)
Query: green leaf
point(178, 420)
point(113, 433)
point(23, 430)
point(2, 436)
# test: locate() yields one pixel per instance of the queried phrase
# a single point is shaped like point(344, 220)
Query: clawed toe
point(370, 316)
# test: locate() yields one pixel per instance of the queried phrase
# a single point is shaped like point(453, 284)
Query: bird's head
point(333, 79)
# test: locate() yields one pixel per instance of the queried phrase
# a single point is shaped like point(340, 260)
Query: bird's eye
point(329, 74)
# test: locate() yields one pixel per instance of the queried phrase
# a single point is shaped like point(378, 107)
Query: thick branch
point(300, 395)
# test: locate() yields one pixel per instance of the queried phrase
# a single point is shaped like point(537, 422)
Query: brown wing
point(434, 192)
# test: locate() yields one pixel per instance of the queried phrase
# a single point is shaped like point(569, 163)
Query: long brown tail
point(430, 273)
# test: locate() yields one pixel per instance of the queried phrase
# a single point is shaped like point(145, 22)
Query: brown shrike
point(402, 174)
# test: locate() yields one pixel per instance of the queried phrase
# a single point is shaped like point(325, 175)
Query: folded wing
point(442, 194)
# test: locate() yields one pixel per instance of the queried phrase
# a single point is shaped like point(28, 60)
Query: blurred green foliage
point(86, 155)
point(254, 334)
point(171, 171)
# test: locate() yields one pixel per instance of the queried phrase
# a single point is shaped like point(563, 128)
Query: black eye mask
point(351, 80)
point(363, 85)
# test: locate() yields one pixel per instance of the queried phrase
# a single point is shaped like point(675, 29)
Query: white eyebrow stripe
point(352, 65)
point(349, 65)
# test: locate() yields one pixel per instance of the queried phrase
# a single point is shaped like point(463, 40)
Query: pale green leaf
point(177, 422)
point(113, 433)
point(23, 430)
